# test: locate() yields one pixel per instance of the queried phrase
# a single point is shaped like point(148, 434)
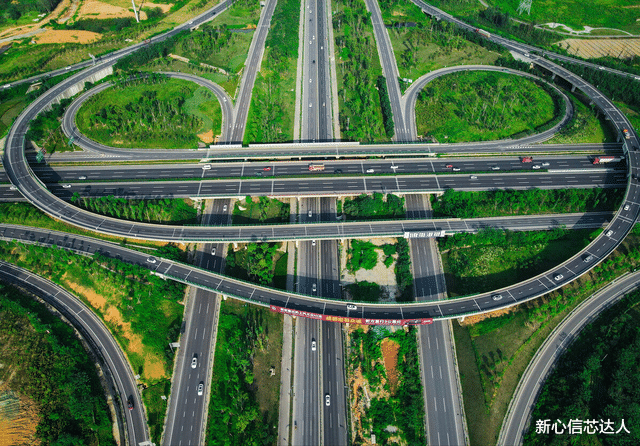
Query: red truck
point(527, 159)
point(627, 133)
point(607, 159)
point(313, 167)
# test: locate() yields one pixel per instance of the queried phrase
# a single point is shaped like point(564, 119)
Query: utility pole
point(93, 58)
point(135, 11)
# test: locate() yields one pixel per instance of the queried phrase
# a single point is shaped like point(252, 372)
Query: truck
point(627, 133)
point(314, 167)
point(484, 33)
point(527, 159)
point(607, 159)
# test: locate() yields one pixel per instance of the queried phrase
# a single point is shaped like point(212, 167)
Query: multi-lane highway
point(121, 382)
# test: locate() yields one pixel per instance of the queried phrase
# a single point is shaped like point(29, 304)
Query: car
point(588, 258)
point(314, 287)
point(267, 169)
point(66, 186)
point(313, 345)
point(327, 400)
point(206, 167)
point(473, 177)
point(456, 169)
point(259, 173)
point(449, 166)
point(600, 68)
point(310, 213)
point(370, 170)
point(351, 307)
point(609, 233)
point(337, 171)
point(12, 187)
point(224, 208)
point(314, 61)
point(194, 362)
point(496, 297)
point(626, 207)
point(545, 164)
point(558, 277)
point(130, 402)
point(82, 177)
point(536, 166)
point(495, 168)
point(313, 243)
point(200, 388)
point(151, 260)
point(213, 252)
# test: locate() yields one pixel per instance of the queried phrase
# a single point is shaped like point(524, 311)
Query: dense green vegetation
point(492, 259)
point(271, 117)
point(13, 11)
point(374, 207)
point(364, 291)
point(165, 210)
point(493, 354)
point(44, 360)
point(404, 407)
point(404, 276)
point(596, 378)
point(243, 408)
point(357, 67)
point(483, 106)
point(586, 126)
point(150, 112)
point(361, 254)
point(460, 204)
point(264, 210)
point(254, 261)
point(385, 103)
point(45, 130)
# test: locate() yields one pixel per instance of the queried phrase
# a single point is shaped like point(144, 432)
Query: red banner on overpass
point(350, 320)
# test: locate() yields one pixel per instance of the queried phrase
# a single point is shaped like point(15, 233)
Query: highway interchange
point(20, 175)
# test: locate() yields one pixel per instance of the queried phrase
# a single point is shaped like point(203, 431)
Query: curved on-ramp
point(103, 345)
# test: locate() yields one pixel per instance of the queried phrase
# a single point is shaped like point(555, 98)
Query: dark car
point(130, 402)
point(337, 171)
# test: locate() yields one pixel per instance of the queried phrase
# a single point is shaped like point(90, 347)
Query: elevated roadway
point(119, 376)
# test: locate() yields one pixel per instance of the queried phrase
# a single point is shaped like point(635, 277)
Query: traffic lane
point(98, 335)
point(319, 185)
point(333, 376)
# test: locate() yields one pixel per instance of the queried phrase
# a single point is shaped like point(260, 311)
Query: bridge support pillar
point(553, 76)
point(573, 88)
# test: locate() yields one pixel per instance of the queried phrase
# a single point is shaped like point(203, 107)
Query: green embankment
point(44, 361)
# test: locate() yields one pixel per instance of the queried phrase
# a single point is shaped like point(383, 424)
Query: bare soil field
point(66, 36)
point(594, 48)
point(18, 419)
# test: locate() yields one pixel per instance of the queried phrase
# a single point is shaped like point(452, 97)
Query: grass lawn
point(493, 353)
point(242, 14)
point(260, 211)
point(280, 272)
point(585, 127)
point(229, 56)
point(244, 402)
point(8, 112)
point(156, 407)
point(110, 116)
point(481, 106)
point(485, 267)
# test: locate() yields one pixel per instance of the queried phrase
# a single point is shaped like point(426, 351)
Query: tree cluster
point(404, 276)
point(385, 103)
point(255, 262)
point(460, 204)
point(13, 10)
point(361, 255)
point(374, 207)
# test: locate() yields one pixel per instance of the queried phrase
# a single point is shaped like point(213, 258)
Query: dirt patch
point(26, 28)
point(390, 359)
point(99, 10)
point(164, 6)
point(96, 300)
point(380, 274)
point(18, 419)
point(206, 137)
point(470, 320)
point(594, 48)
point(66, 36)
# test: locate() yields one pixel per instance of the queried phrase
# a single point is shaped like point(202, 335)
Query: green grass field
point(493, 354)
point(585, 127)
point(261, 210)
point(98, 115)
point(481, 106)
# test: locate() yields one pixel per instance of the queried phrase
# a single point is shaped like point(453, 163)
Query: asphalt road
point(444, 419)
point(518, 417)
point(390, 72)
point(70, 130)
point(187, 412)
point(118, 372)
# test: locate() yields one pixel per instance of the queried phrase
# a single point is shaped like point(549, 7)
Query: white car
point(496, 296)
point(313, 243)
point(559, 277)
point(12, 187)
point(473, 177)
point(626, 207)
point(151, 260)
point(200, 388)
point(224, 208)
point(535, 166)
point(545, 164)
point(313, 345)
point(351, 307)
point(194, 362)
point(314, 288)
point(456, 169)
point(213, 252)
point(327, 400)
point(588, 258)
point(495, 168)
point(370, 170)
point(609, 233)
point(309, 213)
point(66, 186)
point(82, 177)
point(206, 167)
